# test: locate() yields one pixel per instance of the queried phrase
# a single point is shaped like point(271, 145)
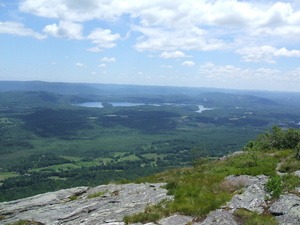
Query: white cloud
point(80, 65)
point(65, 29)
point(188, 63)
point(103, 37)
point(170, 40)
point(18, 29)
point(170, 25)
point(265, 53)
point(176, 54)
point(167, 66)
point(95, 49)
point(106, 59)
point(102, 65)
point(75, 10)
point(232, 73)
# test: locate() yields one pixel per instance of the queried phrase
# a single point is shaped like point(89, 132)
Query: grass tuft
point(96, 194)
point(253, 218)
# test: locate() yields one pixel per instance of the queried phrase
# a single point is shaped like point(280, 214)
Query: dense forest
point(48, 141)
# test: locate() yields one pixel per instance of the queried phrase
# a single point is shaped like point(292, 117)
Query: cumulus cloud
point(176, 54)
point(75, 10)
point(188, 63)
point(265, 53)
point(170, 25)
point(103, 37)
point(18, 29)
point(170, 40)
point(65, 29)
point(106, 59)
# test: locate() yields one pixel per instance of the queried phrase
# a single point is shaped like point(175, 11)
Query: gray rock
point(297, 173)
point(110, 208)
point(219, 217)
point(253, 197)
point(38, 201)
point(287, 209)
point(176, 219)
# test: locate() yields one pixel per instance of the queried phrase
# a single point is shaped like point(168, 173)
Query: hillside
point(61, 135)
point(259, 185)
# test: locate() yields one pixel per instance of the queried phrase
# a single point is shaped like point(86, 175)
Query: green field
point(5, 175)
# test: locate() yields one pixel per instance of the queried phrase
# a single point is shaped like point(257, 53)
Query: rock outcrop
point(75, 206)
point(108, 204)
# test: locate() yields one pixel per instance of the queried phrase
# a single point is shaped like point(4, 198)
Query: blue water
point(201, 108)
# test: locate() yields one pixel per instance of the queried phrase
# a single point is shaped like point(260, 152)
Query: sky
point(250, 44)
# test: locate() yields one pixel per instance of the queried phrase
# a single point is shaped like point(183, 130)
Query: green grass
point(202, 189)
point(247, 164)
point(5, 175)
point(25, 222)
point(290, 182)
point(96, 194)
point(253, 218)
point(152, 213)
point(66, 166)
point(130, 158)
point(290, 165)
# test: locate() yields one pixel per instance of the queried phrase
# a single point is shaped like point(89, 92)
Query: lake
point(201, 108)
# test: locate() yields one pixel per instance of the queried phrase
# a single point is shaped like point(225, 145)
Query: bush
point(278, 139)
point(274, 186)
point(297, 151)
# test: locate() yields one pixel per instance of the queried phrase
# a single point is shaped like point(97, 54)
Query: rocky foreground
point(79, 206)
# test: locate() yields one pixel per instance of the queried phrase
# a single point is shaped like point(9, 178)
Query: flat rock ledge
point(109, 208)
point(117, 201)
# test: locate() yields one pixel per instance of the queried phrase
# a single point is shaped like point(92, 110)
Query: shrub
point(297, 151)
point(277, 139)
point(274, 186)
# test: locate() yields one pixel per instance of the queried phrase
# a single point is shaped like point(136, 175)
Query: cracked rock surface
point(110, 207)
point(116, 201)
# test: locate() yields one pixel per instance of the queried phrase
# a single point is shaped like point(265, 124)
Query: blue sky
point(199, 43)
